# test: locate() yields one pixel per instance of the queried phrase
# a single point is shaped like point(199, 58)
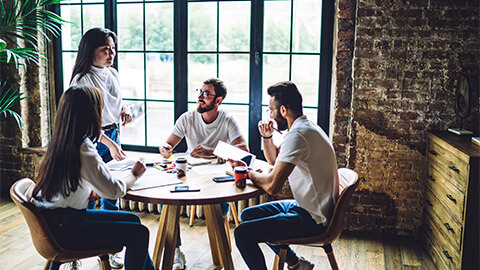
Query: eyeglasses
point(269, 111)
point(205, 94)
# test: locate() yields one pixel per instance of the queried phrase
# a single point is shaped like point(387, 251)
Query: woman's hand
point(265, 128)
point(139, 168)
point(126, 115)
point(93, 196)
point(116, 152)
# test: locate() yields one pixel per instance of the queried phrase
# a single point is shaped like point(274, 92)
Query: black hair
point(286, 93)
point(91, 40)
point(219, 85)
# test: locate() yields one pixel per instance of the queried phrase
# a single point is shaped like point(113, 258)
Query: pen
point(277, 130)
point(167, 148)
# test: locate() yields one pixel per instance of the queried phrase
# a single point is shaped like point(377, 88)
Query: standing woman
point(93, 67)
point(72, 171)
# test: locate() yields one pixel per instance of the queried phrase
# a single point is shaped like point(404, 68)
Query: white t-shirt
point(191, 125)
point(95, 175)
point(107, 80)
point(314, 180)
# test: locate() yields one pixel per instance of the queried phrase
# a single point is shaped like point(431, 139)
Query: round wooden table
point(211, 194)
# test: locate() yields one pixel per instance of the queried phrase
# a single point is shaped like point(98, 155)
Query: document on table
point(228, 151)
point(192, 161)
point(151, 178)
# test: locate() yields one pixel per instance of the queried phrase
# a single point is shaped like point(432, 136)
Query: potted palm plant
point(23, 25)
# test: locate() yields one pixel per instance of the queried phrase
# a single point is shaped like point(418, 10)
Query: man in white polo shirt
point(307, 159)
point(203, 129)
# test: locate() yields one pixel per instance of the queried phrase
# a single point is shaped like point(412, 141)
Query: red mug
point(241, 175)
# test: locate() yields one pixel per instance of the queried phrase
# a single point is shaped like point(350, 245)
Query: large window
point(166, 49)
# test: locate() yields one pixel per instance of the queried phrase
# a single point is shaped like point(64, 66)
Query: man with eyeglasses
point(307, 159)
point(203, 129)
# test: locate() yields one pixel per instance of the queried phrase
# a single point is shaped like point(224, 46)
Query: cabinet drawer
point(448, 164)
point(437, 258)
point(450, 229)
point(449, 255)
point(446, 192)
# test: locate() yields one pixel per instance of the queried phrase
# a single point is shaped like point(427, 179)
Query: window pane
point(307, 17)
point(92, 1)
point(134, 132)
point(160, 76)
point(160, 122)
point(71, 32)
point(234, 70)
point(159, 25)
point(130, 26)
point(131, 70)
point(68, 62)
point(277, 26)
point(311, 115)
point(202, 26)
point(200, 68)
point(305, 75)
point(93, 16)
point(275, 69)
point(234, 26)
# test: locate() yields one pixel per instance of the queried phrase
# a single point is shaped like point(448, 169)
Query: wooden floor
point(352, 252)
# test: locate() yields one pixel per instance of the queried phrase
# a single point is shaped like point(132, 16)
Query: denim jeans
point(94, 229)
point(269, 222)
point(223, 206)
point(104, 152)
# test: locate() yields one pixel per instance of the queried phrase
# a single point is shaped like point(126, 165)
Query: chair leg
point(233, 209)
point(192, 214)
point(52, 265)
point(105, 262)
point(279, 261)
point(331, 257)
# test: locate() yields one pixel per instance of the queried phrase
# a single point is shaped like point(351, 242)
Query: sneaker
point(74, 265)
point(179, 260)
point(303, 264)
point(116, 261)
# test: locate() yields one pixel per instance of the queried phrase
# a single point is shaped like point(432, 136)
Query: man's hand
point(166, 150)
point(201, 151)
point(116, 152)
point(265, 128)
point(126, 115)
point(236, 163)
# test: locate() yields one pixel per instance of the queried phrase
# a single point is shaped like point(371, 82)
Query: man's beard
point(281, 122)
point(206, 109)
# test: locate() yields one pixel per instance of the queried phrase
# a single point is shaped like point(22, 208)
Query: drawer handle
point(447, 255)
point(448, 226)
point(451, 198)
point(429, 203)
point(431, 178)
point(453, 168)
point(433, 152)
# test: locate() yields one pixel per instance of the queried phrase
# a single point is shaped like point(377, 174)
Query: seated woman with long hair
point(70, 175)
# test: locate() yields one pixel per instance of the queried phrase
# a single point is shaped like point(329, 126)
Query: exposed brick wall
point(407, 57)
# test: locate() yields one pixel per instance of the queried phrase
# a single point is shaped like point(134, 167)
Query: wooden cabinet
point(450, 230)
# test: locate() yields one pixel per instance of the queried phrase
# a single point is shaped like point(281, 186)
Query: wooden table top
point(210, 192)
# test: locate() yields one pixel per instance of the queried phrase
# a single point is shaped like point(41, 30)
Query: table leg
point(214, 213)
point(212, 239)
point(166, 236)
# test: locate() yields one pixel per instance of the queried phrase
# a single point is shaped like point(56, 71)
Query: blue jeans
point(104, 152)
point(269, 222)
point(94, 229)
point(223, 206)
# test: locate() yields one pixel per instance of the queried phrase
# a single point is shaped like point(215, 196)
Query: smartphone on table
point(184, 189)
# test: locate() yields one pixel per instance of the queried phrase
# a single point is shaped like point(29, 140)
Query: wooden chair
point(43, 240)
point(348, 182)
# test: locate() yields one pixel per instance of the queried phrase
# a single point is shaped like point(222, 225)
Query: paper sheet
point(151, 178)
point(227, 151)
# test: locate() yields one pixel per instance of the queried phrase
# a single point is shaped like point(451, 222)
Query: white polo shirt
point(191, 126)
point(314, 180)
